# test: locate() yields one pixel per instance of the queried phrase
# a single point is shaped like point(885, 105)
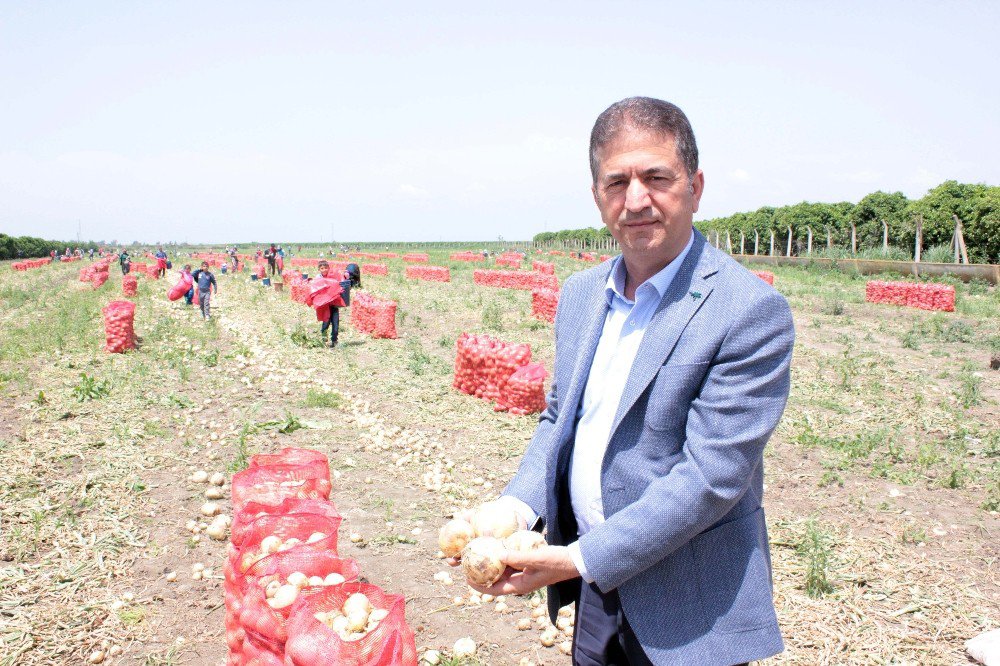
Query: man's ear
point(593, 191)
point(697, 188)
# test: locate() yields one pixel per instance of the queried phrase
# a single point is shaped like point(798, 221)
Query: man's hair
point(205, 264)
point(646, 114)
point(322, 263)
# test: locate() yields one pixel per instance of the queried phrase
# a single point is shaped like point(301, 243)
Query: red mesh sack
point(242, 563)
point(544, 267)
point(483, 364)
point(130, 285)
point(527, 280)
point(374, 269)
point(276, 483)
point(467, 256)
point(605, 257)
point(312, 643)
point(261, 271)
point(182, 287)
point(325, 291)
point(543, 304)
point(766, 276)
point(284, 526)
point(289, 455)
point(99, 278)
point(524, 392)
point(119, 328)
point(374, 316)
point(266, 625)
point(912, 294)
point(430, 273)
point(417, 257)
point(244, 518)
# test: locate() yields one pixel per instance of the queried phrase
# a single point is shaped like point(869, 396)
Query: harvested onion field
point(883, 479)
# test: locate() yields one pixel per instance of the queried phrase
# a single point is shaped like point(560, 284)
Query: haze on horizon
point(230, 122)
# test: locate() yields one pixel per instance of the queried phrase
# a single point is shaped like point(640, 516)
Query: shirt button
point(632, 323)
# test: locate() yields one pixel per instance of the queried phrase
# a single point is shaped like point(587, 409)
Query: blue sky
point(228, 122)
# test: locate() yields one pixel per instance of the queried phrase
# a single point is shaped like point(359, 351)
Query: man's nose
point(636, 196)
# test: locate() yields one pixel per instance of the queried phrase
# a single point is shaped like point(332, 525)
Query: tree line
point(29, 247)
point(976, 205)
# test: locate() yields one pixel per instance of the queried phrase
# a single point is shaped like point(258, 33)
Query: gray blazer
point(684, 541)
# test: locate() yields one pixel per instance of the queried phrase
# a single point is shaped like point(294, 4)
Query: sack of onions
point(354, 623)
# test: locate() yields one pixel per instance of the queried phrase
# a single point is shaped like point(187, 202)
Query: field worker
point(646, 469)
point(271, 254)
point(205, 281)
point(330, 314)
point(161, 262)
point(125, 261)
point(189, 296)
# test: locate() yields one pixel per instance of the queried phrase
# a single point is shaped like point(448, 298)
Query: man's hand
point(533, 570)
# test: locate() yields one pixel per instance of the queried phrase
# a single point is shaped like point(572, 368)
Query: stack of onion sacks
point(482, 540)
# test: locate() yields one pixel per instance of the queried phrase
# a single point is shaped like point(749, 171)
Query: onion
point(454, 536)
point(356, 602)
point(333, 579)
point(481, 560)
point(524, 541)
point(356, 620)
point(464, 647)
point(270, 544)
point(284, 597)
point(495, 520)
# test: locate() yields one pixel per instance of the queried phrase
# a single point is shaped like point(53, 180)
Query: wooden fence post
point(788, 250)
point(756, 241)
point(959, 241)
point(829, 239)
point(918, 238)
point(854, 238)
point(809, 242)
point(772, 243)
point(885, 236)
point(742, 243)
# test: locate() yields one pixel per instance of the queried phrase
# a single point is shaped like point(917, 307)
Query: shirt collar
point(661, 281)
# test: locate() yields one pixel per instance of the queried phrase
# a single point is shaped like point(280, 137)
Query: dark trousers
point(333, 323)
point(602, 635)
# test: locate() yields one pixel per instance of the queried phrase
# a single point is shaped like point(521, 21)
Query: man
point(329, 312)
point(671, 372)
point(161, 263)
point(125, 261)
point(271, 254)
point(205, 281)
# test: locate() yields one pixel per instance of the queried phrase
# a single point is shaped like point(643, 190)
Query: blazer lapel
point(590, 334)
point(686, 294)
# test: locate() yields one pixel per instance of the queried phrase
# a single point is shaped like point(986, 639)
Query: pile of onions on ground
point(482, 540)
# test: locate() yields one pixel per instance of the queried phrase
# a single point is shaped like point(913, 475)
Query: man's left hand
point(530, 571)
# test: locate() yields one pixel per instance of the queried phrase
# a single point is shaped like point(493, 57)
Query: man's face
point(645, 196)
point(204, 267)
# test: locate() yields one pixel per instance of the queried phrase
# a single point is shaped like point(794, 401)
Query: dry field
point(883, 479)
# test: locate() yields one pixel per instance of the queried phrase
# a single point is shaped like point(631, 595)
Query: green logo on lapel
point(695, 295)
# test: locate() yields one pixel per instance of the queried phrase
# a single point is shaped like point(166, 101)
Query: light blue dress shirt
point(624, 328)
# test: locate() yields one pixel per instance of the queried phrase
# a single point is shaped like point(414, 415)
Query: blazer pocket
point(734, 575)
point(671, 393)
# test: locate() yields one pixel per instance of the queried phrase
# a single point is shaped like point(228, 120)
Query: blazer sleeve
point(728, 424)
